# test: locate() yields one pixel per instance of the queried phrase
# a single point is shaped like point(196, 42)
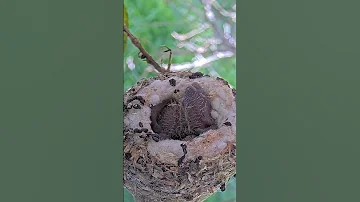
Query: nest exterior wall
point(151, 169)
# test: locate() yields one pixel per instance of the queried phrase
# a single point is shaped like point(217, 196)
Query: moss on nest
point(192, 167)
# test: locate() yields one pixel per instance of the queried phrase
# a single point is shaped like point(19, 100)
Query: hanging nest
point(179, 137)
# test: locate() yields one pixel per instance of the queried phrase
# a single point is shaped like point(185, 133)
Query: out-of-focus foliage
point(153, 22)
point(160, 22)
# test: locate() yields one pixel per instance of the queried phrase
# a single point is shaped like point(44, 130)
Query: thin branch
point(182, 37)
point(147, 56)
point(224, 12)
point(200, 62)
point(210, 18)
point(170, 54)
point(169, 63)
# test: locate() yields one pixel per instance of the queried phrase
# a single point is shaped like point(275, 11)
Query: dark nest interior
point(179, 137)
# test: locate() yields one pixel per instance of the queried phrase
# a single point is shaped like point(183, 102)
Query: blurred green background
point(211, 50)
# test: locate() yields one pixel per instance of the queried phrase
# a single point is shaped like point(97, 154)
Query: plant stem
point(148, 57)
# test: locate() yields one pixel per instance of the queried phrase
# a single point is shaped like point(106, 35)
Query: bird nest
point(179, 137)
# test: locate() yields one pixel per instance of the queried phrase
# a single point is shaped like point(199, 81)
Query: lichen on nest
point(179, 137)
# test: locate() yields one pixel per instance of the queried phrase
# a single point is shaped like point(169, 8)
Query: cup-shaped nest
point(179, 137)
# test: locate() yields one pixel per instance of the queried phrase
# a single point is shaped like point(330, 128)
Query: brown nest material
point(179, 137)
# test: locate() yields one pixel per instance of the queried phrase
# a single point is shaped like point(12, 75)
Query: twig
point(217, 30)
point(147, 56)
point(169, 63)
point(182, 37)
point(224, 12)
point(200, 62)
